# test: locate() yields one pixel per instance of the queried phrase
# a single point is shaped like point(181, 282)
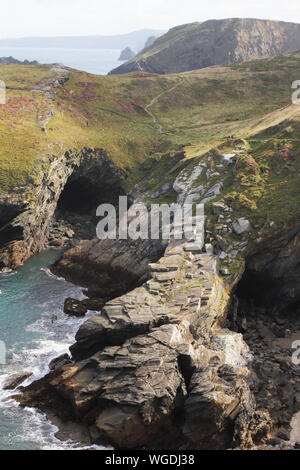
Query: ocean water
point(96, 61)
point(29, 297)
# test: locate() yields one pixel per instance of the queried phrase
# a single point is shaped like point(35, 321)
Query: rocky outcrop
point(74, 308)
point(150, 41)
point(127, 54)
point(15, 380)
point(156, 368)
point(215, 42)
point(109, 268)
point(26, 220)
point(12, 60)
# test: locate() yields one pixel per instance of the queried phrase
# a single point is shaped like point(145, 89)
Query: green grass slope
point(194, 110)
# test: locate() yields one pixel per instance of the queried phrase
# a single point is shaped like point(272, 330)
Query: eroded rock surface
point(156, 368)
point(15, 380)
point(26, 224)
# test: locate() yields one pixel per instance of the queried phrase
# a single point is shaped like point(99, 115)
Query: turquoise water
point(97, 61)
point(29, 297)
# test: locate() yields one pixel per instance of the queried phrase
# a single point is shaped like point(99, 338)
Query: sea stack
point(127, 54)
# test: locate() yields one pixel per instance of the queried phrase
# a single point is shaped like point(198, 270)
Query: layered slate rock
point(154, 361)
point(109, 268)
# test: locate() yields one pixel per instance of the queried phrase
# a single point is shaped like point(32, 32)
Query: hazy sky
point(85, 17)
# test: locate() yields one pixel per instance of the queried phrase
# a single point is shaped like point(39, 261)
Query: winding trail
point(155, 100)
point(46, 87)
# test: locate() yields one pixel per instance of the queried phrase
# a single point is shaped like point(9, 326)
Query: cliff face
point(159, 366)
point(52, 133)
point(25, 224)
point(215, 42)
point(156, 369)
point(164, 363)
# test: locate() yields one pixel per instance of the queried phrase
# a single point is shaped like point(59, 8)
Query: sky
point(23, 18)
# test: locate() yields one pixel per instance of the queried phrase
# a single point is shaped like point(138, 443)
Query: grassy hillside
point(195, 109)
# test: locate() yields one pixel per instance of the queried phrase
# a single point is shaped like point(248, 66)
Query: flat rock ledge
point(156, 369)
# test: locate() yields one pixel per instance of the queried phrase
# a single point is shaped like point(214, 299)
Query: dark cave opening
point(93, 183)
point(256, 288)
point(80, 196)
point(260, 294)
point(265, 310)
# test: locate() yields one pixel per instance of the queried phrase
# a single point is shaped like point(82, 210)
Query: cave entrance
point(266, 310)
point(80, 196)
point(259, 294)
point(94, 182)
point(255, 288)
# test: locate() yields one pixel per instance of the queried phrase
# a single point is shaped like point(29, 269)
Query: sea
point(95, 61)
point(30, 298)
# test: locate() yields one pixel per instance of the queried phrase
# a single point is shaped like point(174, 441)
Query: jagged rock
point(95, 305)
point(70, 233)
point(209, 248)
point(225, 272)
point(75, 307)
point(160, 192)
point(195, 248)
point(15, 380)
point(185, 181)
point(274, 266)
point(228, 158)
point(213, 404)
point(122, 318)
point(241, 226)
point(109, 268)
point(212, 193)
point(59, 361)
point(141, 361)
point(25, 225)
point(222, 243)
point(219, 208)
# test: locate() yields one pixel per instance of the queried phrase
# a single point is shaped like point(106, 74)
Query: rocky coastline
point(190, 346)
point(177, 364)
point(177, 355)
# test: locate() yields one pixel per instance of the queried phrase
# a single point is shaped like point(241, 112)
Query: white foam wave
point(51, 275)
point(55, 338)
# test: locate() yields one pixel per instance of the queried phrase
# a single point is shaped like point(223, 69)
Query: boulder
point(75, 307)
point(15, 380)
point(59, 361)
point(160, 192)
point(241, 226)
point(228, 158)
point(94, 305)
point(219, 208)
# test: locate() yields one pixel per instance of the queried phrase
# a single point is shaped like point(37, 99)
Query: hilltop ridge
point(215, 42)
